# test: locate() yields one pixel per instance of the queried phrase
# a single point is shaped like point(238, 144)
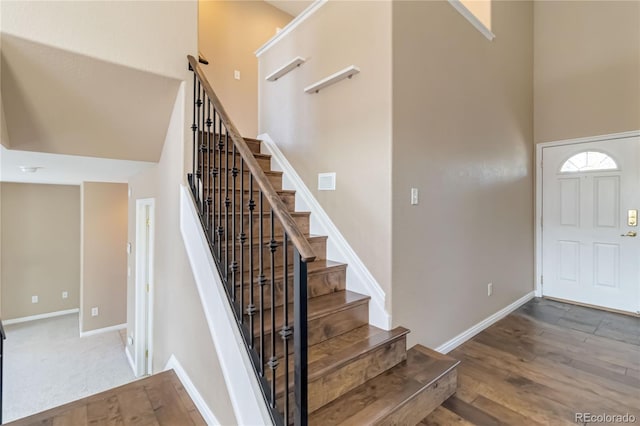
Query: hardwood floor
point(543, 364)
point(157, 400)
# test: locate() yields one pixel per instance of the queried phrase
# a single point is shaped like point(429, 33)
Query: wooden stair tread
point(279, 191)
point(278, 239)
point(317, 307)
point(372, 401)
point(255, 154)
point(333, 353)
point(320, 266)
point(256, 215)
point(246, 171)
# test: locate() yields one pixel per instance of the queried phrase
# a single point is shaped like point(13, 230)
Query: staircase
point(340, 369)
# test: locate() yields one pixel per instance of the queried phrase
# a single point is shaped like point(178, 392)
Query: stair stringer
point(359, 278)
point(244, 389)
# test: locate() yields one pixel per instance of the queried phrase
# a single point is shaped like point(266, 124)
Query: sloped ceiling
point(60, 102)
point(292, 7)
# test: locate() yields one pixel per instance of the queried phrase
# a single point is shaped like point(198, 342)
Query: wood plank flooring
point(159, 400)
point(543, 364)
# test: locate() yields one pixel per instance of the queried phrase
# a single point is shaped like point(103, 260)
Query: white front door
point(590, 193)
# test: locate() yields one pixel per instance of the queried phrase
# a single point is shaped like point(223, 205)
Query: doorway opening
point(145, 226)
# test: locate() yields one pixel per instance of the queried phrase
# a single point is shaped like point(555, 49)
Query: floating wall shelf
point(348, 72)
point(296, 62)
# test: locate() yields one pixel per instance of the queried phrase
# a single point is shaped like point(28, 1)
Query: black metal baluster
point(206, 112)
point(227, 204)
point(212, 187)
point(207, 174)
point(234, 262)
point(198, 173)
point(251, 308)
point(273, 361)
point(261, 280)
point(219, 188)
point(300, 343)
point(286, 331)
point(194, 129)
point(243, 238)
point(201, 127)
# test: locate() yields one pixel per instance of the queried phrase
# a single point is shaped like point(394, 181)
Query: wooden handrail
point(288, 224)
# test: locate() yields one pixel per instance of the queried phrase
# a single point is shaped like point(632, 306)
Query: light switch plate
point(326, 181)
point(414, 196)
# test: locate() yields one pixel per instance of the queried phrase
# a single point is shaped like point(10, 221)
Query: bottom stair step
point(403, 395)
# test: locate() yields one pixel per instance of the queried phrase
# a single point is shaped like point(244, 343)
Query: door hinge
point(148, 222)
point(146, 354)
point(147, 287)
point(541, 279)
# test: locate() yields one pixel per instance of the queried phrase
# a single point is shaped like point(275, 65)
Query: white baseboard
point(103, 330)
point(359, 279)
point(487, 322)
point(130, 359)
point(41, 316)
point(205, 411)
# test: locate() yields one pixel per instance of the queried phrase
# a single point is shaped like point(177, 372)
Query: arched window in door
point(588, 161)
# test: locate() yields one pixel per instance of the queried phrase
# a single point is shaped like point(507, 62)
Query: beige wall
point(228, 34)
point(586, 68)
point(104, 261)
point(462, 127)
point(156, 37)
point(180, 327)
point(40, 248)
point(345, 128)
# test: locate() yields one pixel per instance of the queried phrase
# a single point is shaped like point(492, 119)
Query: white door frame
point(538, 160)
point(144, 298)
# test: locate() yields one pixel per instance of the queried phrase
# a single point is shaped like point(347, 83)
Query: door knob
point(629, 234)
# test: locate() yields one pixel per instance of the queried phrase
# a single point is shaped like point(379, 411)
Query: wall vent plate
point(326, 181)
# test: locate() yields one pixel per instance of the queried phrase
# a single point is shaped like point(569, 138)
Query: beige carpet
point(47, 364)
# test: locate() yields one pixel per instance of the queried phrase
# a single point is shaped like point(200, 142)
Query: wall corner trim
point(359, 278)
point(198, 400)
point(40, 316)
point(462, 9)
point(484, 324)
point(103, 330)
point(291, 26)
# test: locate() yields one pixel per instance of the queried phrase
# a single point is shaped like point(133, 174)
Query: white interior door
point(590, 251)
